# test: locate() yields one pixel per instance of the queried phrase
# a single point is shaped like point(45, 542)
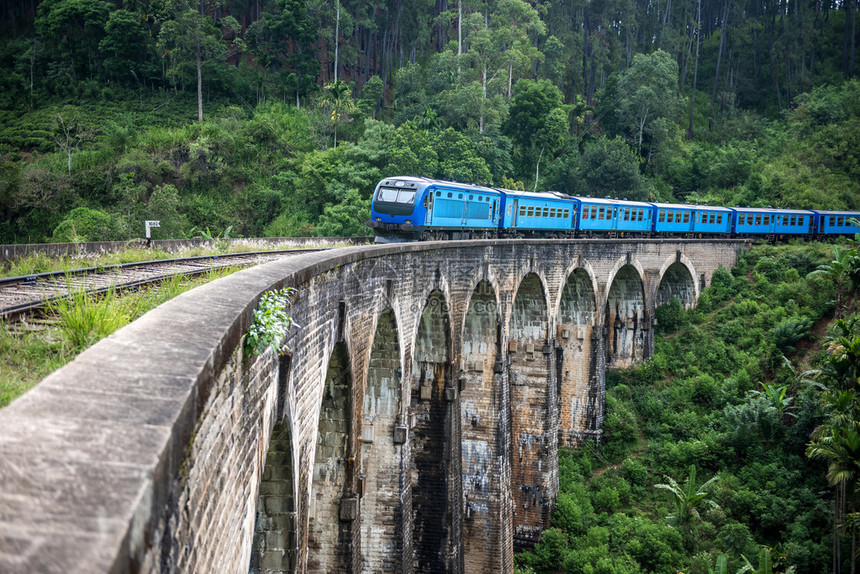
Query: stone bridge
point(413, 425)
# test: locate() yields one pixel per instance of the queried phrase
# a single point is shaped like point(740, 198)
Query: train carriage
point(758, 221)
point(836, 222)
point(612, 216)
point(549, 213)
point(690, 220)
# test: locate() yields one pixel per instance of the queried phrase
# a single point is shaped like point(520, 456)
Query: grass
point(31, 351)
point(41, 263)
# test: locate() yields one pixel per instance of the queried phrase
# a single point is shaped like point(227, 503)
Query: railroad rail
point(20, 296)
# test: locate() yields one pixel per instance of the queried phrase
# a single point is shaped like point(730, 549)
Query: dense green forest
point(735, 442)
point(277, 117)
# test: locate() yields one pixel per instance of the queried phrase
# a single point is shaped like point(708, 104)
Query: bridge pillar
point(383, 437)
point(487, 545)
point(532, 377)
point(575, 334)
point(435, 442)
point(333, 508)
point(275, 541)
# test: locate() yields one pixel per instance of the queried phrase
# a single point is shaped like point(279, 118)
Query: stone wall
point(413, 425)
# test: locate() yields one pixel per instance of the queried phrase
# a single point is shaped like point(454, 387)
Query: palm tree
point(687, 499)
point(841, 270)
point(839, 445)
point(336, 97)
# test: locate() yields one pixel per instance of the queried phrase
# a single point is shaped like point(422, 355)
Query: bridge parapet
point(413, 427)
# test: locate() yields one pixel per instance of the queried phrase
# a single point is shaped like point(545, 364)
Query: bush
point(85, 224)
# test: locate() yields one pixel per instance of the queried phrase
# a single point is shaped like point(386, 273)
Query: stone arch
point(275, 529)
point(381, 517)
point(484, 546)
point(532, 394)
point(676, 281)
point(328, 545)
point(625, 317)
point(430, 474)
point(529, 317)
point(577, 364)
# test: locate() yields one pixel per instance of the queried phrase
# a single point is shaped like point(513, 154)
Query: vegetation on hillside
point(737, 437)
point(277, 117)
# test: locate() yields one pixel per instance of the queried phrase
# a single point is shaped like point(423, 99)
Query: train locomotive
point(407, 208)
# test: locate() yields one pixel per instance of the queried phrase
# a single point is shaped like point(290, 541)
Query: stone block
point(401, 434)
point(348, 508)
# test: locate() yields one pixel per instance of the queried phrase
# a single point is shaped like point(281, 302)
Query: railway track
point(21, 296)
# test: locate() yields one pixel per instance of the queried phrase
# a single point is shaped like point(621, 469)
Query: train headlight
point(408, 222)
point(378, 219)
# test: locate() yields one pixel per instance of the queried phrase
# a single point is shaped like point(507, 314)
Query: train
point(408, 208)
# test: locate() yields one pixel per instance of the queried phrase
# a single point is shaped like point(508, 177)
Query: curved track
point(22, 295)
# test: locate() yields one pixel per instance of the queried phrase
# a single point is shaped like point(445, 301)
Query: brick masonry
point(412, 427)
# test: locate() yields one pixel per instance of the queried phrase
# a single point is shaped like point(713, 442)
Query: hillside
point(278, 117)
point(721, 443)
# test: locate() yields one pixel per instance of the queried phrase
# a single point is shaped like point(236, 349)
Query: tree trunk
point(853, 37)
point(336, 43)
point(199, 81)
point(32, 69)
point(665, 21)
point(775, 81)
point(642, 129)
point(719, 58)
point(483, 98)
point(695, 69)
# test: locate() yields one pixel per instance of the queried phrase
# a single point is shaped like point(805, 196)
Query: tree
point(840, 270)
point(191, 35)
point(76, 26)
point(337, 104)
point(125, 45)
point(291, 33)
point(498, 41)
point(537, 122)
point(69, 134)
point(649, 92)
point(608, 167)
point(688, 498)
point(837, 440)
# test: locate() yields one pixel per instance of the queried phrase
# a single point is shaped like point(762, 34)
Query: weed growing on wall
point(271, 323)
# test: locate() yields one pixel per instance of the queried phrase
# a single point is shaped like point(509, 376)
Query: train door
point(516, 212)
point(428, 203)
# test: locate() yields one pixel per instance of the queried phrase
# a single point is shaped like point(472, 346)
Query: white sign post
point(149, 225)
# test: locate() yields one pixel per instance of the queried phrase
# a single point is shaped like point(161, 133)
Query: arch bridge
point(413, 425)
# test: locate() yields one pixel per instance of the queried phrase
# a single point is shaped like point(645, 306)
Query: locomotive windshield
point(395, 200)
point(390, 195)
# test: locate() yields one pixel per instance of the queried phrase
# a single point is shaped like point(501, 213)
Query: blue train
point(418, 208)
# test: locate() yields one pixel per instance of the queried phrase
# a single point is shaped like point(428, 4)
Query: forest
point(734, 448)
point(277, 117)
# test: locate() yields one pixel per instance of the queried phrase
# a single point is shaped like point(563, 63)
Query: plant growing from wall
point(271, 323)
